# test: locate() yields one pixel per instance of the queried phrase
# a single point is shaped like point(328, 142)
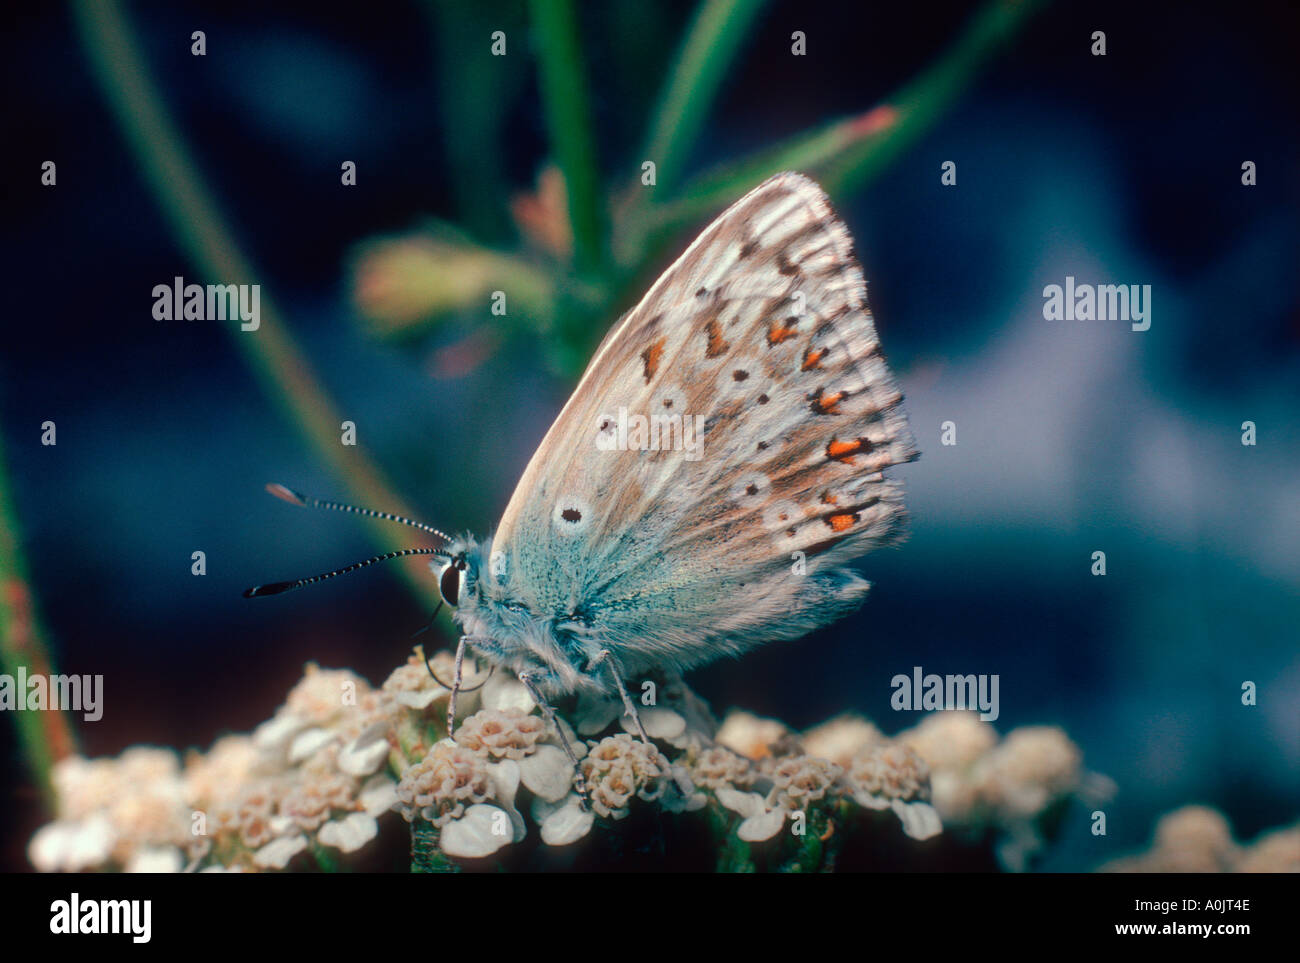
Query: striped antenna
point(306, 501)
point(275, 588)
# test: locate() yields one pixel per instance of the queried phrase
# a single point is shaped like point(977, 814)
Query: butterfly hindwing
point(735, 533)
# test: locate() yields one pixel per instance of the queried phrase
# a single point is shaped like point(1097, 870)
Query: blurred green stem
point(471, 126)
point(45, 736)
point(189, 208)
point(568, 117)
point(706, 54)
point(807, 152)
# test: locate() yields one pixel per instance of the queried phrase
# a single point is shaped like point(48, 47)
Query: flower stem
point(426, 857)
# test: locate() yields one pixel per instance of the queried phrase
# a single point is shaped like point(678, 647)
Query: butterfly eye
point(449, 583)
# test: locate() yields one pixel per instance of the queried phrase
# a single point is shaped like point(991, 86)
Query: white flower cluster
point(322, 773)
point(846, 760)
point(312, 775)
point(468, 787)
point(982, 785)
point(1197, 839)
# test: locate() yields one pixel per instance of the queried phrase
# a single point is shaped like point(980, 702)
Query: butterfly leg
point(455, 682)
point(527, 679)
point(455, 688)
point(605, 658)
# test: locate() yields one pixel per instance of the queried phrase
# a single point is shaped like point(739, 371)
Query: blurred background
point(522, 173)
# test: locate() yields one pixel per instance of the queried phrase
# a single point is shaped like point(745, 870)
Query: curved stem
point(270, 351)
point(706, 54)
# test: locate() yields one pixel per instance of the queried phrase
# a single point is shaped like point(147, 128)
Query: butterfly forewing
point(759, 337)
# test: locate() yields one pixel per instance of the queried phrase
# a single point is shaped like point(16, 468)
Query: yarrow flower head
point(799, 781)
point(440, 786)
point(717, 766)
point(619, 768)
point(502, 733)
point(751, 735)
point(894, 777)
point(841, 738)
point(413, 685)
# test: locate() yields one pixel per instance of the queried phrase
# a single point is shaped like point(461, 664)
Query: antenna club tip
point(286, 494)
point(271, 588)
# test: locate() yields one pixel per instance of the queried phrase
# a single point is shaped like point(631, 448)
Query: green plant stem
point(46, 735)
point(275, 359)
point(809, 151)
point(472, 126)
point(327, 860)
point(567, 109)
point(706, 54)
point(734, 855)
point(426, 857)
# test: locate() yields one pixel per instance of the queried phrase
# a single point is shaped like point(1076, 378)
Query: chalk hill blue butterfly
point(619, 553)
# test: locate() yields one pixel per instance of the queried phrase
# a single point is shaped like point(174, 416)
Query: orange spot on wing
point(826, 404)
point(779, 331)
point(716, 345)
point(650, 357)
point(839, 523)
point(845, 450)
point(829, 499)
point(810, 358)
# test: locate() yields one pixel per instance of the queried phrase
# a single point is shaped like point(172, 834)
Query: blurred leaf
point(401, 285)
point(466, 355)
point(543, 215)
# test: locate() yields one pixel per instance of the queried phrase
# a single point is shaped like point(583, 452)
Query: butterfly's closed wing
point(674, 557)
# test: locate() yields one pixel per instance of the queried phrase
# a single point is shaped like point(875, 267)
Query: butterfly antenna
point(306, 501)
point(275, 588)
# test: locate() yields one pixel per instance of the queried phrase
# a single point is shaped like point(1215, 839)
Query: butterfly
point(755, 358)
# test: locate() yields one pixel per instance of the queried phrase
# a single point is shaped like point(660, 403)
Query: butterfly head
point(458, 568)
